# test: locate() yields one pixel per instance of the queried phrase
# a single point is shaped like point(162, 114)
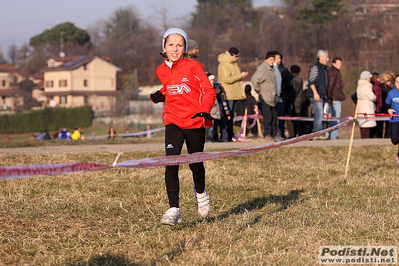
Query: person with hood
point(365, 101)
point(189, 97)
point(230, 77)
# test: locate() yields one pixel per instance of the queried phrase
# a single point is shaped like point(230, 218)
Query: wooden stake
point(351, 142)
point(245, 124)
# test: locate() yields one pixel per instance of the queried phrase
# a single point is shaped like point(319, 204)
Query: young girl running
point(393, 108)
point(188, 97)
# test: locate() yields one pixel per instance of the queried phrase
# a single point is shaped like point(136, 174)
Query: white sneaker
point(171, 216)
point(203, 203)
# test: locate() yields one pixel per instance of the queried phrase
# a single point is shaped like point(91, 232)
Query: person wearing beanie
point(365, 101)
point(192, 48)
point(264, 83)
point(188, 96)
point(230, 77)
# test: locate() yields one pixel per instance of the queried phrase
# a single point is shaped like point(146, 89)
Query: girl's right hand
point(391, 111)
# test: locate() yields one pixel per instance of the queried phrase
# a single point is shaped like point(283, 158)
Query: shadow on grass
point(105, 260)
point(258, 203)
point(116, 260)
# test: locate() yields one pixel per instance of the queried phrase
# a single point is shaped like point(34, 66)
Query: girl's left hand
point(391, 111)
point(204, 115)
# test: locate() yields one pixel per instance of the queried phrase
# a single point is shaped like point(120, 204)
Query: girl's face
point(174, 47)
point(397, 83)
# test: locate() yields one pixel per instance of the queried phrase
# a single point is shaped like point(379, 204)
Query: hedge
point(50, 119)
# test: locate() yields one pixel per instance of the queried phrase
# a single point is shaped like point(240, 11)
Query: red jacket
point(187, 91)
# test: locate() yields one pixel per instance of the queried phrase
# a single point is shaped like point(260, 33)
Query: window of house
point(49, 84)
point(62, 83)
point(63, 99)
point(85, 66)
point(86, 83)
point(3, 83)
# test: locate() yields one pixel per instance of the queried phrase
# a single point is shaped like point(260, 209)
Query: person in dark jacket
point(387, 83)
point(318, 89)
point(377, 132)
point(297, 84)
point(286, 94)
point(248, 103)
point(336, 92)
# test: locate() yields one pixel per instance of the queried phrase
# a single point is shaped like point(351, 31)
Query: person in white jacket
point(366, 99)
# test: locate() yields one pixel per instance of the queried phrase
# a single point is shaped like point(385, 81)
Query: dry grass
point(271, 208)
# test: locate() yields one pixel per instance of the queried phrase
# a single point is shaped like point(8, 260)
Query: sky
point(22, 19)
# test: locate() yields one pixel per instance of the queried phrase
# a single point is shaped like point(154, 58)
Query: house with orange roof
point(11, 97)
point(81, 80)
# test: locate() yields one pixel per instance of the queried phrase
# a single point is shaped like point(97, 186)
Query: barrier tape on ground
point(141, 133)
point(12, 172)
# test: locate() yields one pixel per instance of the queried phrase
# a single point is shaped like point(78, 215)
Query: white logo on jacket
point(184, 80)
point(178, 89)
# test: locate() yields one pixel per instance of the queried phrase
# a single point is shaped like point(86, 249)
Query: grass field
point(270, 208)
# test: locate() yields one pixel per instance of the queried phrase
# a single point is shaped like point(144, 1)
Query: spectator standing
point(249, 104)
point(377, 132)
point(365, 101)
point(297, 84)
point(264, 83)
point(192, 49)
point(230, 77)
point(392, 102)
point(387, 84)
point(336, 92)
point(286, 93)
point(318, 89)
point(220, 112)
point(188, 97)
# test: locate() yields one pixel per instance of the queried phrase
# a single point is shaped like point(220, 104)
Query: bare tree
point(12, 53)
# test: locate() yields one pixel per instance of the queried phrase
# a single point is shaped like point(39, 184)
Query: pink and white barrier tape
point(12, 172)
